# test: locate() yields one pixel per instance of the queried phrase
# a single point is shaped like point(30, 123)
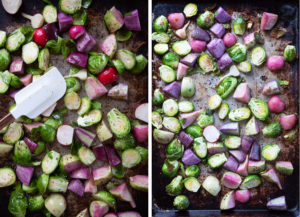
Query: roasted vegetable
point(206, 19)
point(160, 24)
point(181, 202)
point(289, 53)
point(175, 186)
point(239, 26)
point(227, 86)
point(238, 52)
point(259, 108)
point(272, 130)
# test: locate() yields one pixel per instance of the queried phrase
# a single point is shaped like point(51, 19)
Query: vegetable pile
point(97, 153)
point(190, 135)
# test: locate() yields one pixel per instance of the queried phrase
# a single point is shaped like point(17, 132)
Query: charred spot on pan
point(263, 78)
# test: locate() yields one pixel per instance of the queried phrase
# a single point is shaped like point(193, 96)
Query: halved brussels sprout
point(259, 108)
point(238, 52)
point(160, 24)
point(289, 53)
point(175, 150)
point(171, 60)
point(206, 19)
point(207, 63)
point(239, 26)
point(258, 56)
point(172, 124)
point(119, 123)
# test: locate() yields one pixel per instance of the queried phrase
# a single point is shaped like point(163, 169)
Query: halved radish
point(176, 20)
point(211, 133)
point(242, 196)
point(242, 93)
point(65, 134)
point(26, 80)
point(141, 133)
point(288, 121)
point(276, 104)
point(141, 112)
point(181, 70)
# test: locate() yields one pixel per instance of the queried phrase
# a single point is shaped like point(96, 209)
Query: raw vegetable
point(181, 202)
point(255, 167)
point(170, 168)
point(173, 89)
point(182, 48)
point(238, 52)
point(18, 202)
point(17, 67)
point(57, 184)
point(229, 39)
point(242, 93)
point(94, 88)
point(7, 177)
point(50, 14)
point(132, 21)
point(272, 130)
point(119, 123)
point(251, 181)
point(259, 108)
point(35, 203)
point(124, 194)
point(170, 107)
point(288, 122)
point(197, 45)
point(270, 152)
point(223, 110)
point(109, 45)
point(268, 21)
point(239, 26)
point(217, 160)
point(224, 61)
point(190, 158)
point(176, 20)
point(162, 137)
point(190, 10)
point(252, 127)
point(227, 86)
point(218, 30)
point(69, 6)
point(191, 184)
point(160, 37)
point(56, 204)
point(130, 158)
point(258, 56)
point(239, 114)
point(175, 150)
point(244, 66)
point(160, 24)
point(175, 186)
point(228, 201)
point(187, 87)
point(127, 57)
point(72, 101)
point(231, 180)
point(139, 182)
point(170, 59)
point(64, 21)
point(206, 19)
point(108, 75)
point(212, 185)
point(78, 59)
point(289, 53)
point(278, 203)
point(98, 208)
point(102, 175)
point(275, 63)
point(86, 155)
point(205, 118)
point(76, 32)
point(22, 154)
point(284, 167)
point(214, 102)
point(105, 197)
point(217, 48)
point(172, 124)
point(222, 16)
point(50, 162)
point(4, 60)
point(242, 196)
point(158, 97)
point(200, 147)
point(271, 176)
point(192, 171)
point(185, 106)
point(14, 133)
point(86, 43)
point(161, 48)
point(200, 34)
point(207, 63)
point(43, 59)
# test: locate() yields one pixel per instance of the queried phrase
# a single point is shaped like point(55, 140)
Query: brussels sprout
point(170, 168)
point(162, 136)
point(200, 147)
point(206, 19)
point(158, 97)
point(43, 59)
point(35, 203)
point(182, 48)
point(239, 26)
point(186, 106)
point(244, 66)
point(207, 63)
point(172, 124)
point(22, 154)
point(194, 131)
point(227, 86)
point(205, 118)
point(188, 87)
point(119, 123)
point(239, 114)
point(118, 171)
point(175, 150)
point(258, 56)
point(175, 187)
point(272, 130)
point(160, 24)
point(259, 108)
point(156, 120)
point(270, 152)
point(3, 38)
point(14, 41)
point(4, 59)
point(143, 153)
point(192, 171)
point(15, 81)
point(289, 53)
point(171, 60)
point(18, 202)
point(124, 143)
point(56, 204)
point(290, 136)
point(30, 189)
point(97, 62)
point(190, 10)
point(141, 63)
point(47, 133)
point(181, 202)
point(161, 37)
point(238, 52)
point(42, 183)
point(161, 48)
point(167, 74)
point(79, 18)
point(106, 197)
point(170, 107)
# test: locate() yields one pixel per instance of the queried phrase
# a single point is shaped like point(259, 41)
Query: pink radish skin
point(198, 46)
point(229, 39)
point(24, 174)
point(271, 176)
point(94, 88)
point(81, 173)
point(243, 167)
point(99, 152)
point(129, 214)
point(90, 186)
point(76, 31)
point(77, 187)
point(176, 20)
point(141, 133)
point(26, 80)
point(141, 112)
point(85, 136)
point(31, 126)
point(242, 93)
point(242, 196)
point(181, 70)
point(188, 118)
point(268, 21)
point(98, 208)
point(288, 122)
point(276, 105)
point(109, 45)
point(231, 180)
point(123, 193)
point(211, 133)
point(275, 63)
point(49, 111)
point(31, 145)
point(65, 135)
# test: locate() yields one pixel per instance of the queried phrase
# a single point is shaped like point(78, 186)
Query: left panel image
point(74, 108)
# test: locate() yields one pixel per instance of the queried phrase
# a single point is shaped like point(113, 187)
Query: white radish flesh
point(11, 6)
point(211, 133)
point(65, 134)
point(141, 112)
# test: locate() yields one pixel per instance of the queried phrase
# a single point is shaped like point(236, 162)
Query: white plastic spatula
point(37, 97)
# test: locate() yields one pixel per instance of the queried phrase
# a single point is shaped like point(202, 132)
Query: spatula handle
point(7, 119)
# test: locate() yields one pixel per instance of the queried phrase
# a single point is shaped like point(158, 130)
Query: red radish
point(94, 88)
point(242, 196)
point(26, 80)
point(211, 133)
point(198, 46)
point(109, 45)
point(141, 133)
point(181, 70)
point(76, 31)
point(17, 66)
point(123, 193)
point(90, 186)
point(40, 37)
point(31, 126)
point(85, 136)
point(176, 20)
point(268, 21)
point(243, 167)
point(108, 76)
point(112, 156)
point(129, 214)
point(188, 118)
point(288, 121)
point(49, 111)
point(24, 174)
point(242, 93)
point(275, 63)
point(31, 145)
point(141, 112)
point(65, 134)
point(77, 187)
point(98, 208)
point(81, 173)
point(99, 152)
point(231, 180)
point(276, 104)
point(229, 39)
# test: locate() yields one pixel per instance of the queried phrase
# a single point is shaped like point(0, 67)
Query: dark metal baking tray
point(202, 204)
point(137, 90)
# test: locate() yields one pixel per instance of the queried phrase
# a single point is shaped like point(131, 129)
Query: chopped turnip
point(268, 21)
point(238, 154)
point(123, 193)
point(49, 110)
point(132, 21)
point(228, 201)
point(271, 176)
point(190, 158)
point(141, 112)
point(243, 167)
point(187, 119)
point(288, 121)
point(231, 164)
point(277, 203)
point(211, 133)
point(85, 136)
point(200, 34)
point(190, 59)
point(255, 151)
point(98, 208)
point(216, 47)
point(109, 45)
point(271, 88)
point(218, 30)
point(231, 180)
point(242, 196)
point(111, 214)
point(77, 187)
point(198, 46)
point(255, 167)
point(26, 80)
point(242, 93)
point(24, 174)
point(70, 162)
point(139, 182)
point(140, 133)
point(246, 143)
point(119, 91)
point(231, 128)
point(78, 59)
point(100, 153)
point(64, 135)
point(94, 88)
point(64, 21)
point(129, 214)
point(185, 139)
point(181, 70)
point(81, 173)
point(31, 145)
point(113, 20)
point(275, 63)
point(284, 167)
point(17, 66)
point(224, 61)
point(222, 16)
point(176, 20)
point(173, 89)
point(90, 186)
point(86, 43)
point(102, 174)
point(112, 156)
point(252, 127)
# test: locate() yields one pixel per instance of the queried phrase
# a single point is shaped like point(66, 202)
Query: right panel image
point(225, 108)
